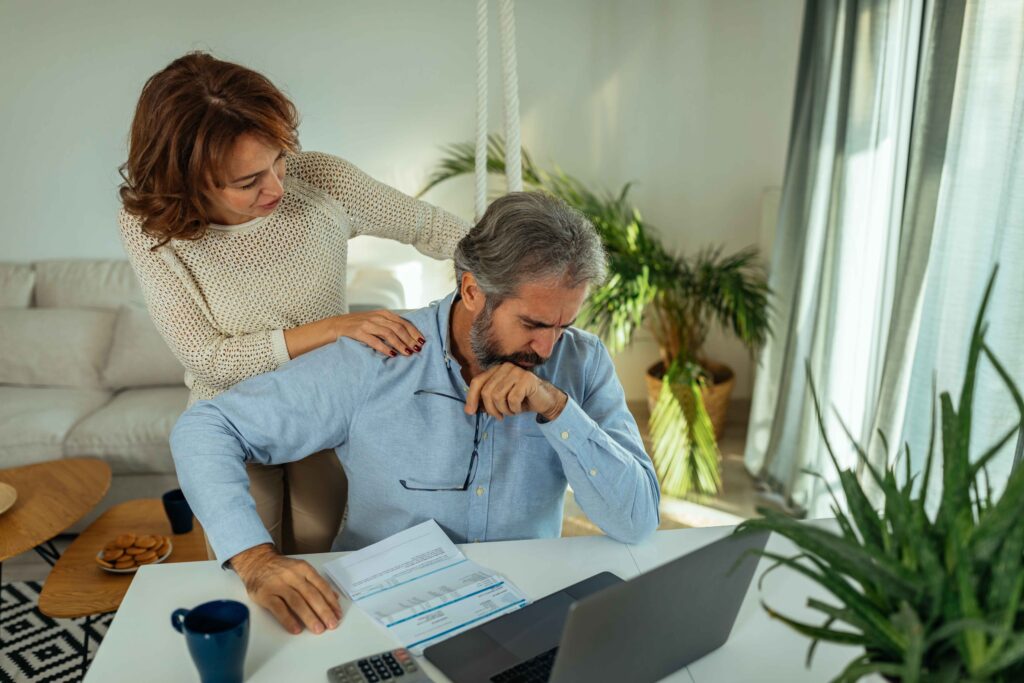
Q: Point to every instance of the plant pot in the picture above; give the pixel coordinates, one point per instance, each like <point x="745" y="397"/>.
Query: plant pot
<point x="716" y="394"/>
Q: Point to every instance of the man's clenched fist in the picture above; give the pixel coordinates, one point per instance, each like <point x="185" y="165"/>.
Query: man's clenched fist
<point x="508" y="389"/>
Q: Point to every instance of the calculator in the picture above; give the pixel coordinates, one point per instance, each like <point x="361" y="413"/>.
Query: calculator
<point x="393" y="665"/>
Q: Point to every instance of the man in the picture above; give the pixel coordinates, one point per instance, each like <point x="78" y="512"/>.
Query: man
<point x="481" y="432"/>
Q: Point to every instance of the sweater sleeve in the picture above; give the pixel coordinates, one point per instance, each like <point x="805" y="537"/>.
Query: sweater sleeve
<point x="217" y="360"/>
<point x="380" y="210"/>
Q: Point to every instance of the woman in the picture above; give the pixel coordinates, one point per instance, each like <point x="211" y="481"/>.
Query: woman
<point x="240" y="241"/>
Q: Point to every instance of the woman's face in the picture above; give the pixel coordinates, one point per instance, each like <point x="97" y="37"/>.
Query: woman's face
<point x="255" y="173"/>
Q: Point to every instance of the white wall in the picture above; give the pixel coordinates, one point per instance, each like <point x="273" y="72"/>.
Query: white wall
<point x="689" y="98"/>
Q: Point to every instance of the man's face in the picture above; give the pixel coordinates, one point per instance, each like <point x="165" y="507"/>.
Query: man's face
<point x="523" y="329"/>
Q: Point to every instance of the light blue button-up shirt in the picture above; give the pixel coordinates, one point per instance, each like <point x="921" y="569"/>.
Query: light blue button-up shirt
<point x="402" y="419"/>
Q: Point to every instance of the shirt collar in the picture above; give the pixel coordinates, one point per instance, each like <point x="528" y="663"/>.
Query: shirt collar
<point x="444" y="328"/>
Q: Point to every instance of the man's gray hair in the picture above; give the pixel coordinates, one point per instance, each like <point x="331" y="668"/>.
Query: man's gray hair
<point x="529" y="237"/>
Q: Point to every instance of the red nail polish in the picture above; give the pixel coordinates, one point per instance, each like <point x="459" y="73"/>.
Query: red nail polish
<point x="393" y="353"/>
<point x="408" y="350"/>
<point x="417" y="347"/>
<point x="421" y="340"/>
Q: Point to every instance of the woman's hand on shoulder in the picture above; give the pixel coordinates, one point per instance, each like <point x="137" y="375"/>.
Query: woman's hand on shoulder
<point x="382" y="330"/>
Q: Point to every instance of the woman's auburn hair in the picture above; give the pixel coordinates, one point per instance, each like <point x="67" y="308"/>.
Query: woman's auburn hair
<point x="187" y="120"/>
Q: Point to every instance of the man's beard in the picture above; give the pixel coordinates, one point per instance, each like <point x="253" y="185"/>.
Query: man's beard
<point x="487" y="348"/>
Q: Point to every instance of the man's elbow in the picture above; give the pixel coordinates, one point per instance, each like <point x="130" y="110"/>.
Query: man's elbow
<point x="641" y="524"/>
<point x="189" y="432"/>
<point x="647" y="526"/>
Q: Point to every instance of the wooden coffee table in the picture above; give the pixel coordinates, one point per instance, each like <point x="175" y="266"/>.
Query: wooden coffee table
<point x="52" y="496"/>
<point x="77" y="587"/>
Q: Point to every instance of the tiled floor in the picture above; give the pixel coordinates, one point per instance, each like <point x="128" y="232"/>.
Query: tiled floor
<point x="736" y="501"/>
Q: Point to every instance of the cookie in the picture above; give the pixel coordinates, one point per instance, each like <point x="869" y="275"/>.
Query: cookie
<point x="146" y="542"/>
<point x="130" y="551"/>
<point x="113" y="554"/>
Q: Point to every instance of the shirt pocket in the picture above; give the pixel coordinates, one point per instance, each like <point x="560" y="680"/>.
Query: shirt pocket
<point x="520" y="428"/>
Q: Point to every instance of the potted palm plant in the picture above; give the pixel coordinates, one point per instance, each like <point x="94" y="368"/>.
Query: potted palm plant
<point x="678" y="298"/>
<point x="931" y="585"/>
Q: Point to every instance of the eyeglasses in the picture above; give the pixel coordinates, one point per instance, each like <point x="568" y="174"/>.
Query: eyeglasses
<point x="471" y="473"/>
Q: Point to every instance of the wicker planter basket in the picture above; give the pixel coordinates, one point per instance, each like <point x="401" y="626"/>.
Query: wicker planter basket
<point x="716" y="394"/>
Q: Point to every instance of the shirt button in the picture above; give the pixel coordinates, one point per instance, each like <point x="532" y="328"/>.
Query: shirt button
<point x="593" y="472"/>
<point x="565" y="435"/>
<point x="479" y="490"/>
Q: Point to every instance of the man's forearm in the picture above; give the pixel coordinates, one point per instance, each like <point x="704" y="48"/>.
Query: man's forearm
<point x="267" y="420"/>
<point x="210" y="462"/>
<point x="611" y="476"/>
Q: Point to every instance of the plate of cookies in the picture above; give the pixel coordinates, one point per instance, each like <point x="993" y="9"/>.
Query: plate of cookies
<point x="128" y="552"/>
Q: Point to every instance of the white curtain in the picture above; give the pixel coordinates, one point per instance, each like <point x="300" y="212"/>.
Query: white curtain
<point x="979" y="223"/>
<point x="903" y="187"/>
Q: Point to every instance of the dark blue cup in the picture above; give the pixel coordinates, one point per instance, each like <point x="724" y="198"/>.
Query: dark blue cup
<point x="217" y="634"/>
<point x="178" y="511"/>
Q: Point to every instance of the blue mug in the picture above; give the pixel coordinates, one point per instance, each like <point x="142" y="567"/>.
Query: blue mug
<point x="217" y="634"/>
<point x="178" y="511"/>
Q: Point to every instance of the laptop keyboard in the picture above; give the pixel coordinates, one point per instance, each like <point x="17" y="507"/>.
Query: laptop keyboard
<point x="537" y="669"/>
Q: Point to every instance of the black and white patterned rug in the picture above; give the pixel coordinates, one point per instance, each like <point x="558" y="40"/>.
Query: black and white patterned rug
<point x="35" y="648"/>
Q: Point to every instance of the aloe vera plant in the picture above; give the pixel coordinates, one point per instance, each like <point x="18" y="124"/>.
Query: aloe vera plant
<point x="930" y="597"/>
<point x="677" y="297"/>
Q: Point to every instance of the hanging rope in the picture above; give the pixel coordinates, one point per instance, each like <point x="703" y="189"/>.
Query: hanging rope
<point x="509" y="78"/>
<point x="481" y="109"/>
<point x="510" y="81"/>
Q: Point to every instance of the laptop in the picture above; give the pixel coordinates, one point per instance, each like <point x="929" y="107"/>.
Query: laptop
<point x="607" y="629"/>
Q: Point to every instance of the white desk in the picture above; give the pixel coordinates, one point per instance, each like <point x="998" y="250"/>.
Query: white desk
<point x="141" y="637"/>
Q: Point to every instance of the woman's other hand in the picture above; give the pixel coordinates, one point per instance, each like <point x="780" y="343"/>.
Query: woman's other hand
<point x="381" y="330"/>
<point x="385" y="332"/>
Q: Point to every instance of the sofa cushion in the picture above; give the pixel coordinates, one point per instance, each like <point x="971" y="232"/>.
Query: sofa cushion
<point x="54" y="347"/>
<point x="35" y="420"/>
<point x="16" y="280"/>
<point x="139" y="357"/>
<point x="131" y="432"/>
<point x="86" y="284"/>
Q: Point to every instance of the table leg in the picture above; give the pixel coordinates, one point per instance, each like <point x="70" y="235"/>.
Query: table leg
<point x="48" y="551"/>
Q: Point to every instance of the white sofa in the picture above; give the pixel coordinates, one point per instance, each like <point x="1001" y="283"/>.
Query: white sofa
<point x="83" y="371"/>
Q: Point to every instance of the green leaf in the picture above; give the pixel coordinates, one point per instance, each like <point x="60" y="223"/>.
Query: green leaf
<point x="1012" y="654"/>
<point x="907" y="621"/>
<point x="817" y="632"/>
<point x="684" y="450"/>
<point x="862" y="666"/>
<point x="878" y="629"/>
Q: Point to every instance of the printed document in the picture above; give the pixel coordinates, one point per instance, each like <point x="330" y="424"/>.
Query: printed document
<point x="421" y="587"/>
